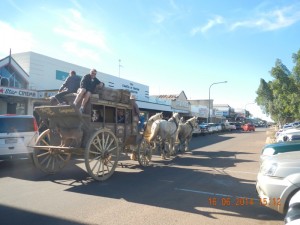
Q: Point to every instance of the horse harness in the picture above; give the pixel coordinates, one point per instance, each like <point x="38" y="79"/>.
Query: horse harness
<point x="189" y="122"/>
<point x="174" y="120"/>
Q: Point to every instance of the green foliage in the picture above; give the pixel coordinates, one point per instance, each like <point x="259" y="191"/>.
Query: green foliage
<point x="280" y="98"/>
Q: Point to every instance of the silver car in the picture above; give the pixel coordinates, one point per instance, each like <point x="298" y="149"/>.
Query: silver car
<point x="17" y="133"/>
<point x="278" y="180"/>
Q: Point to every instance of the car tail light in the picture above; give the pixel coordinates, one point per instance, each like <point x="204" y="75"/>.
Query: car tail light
<point x="35" y="126"/>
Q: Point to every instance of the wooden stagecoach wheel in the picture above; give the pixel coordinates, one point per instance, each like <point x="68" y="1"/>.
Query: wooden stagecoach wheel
<point x="144" y="153"/>
<point x="47" y="157"/>
<point x="102" y="154"/>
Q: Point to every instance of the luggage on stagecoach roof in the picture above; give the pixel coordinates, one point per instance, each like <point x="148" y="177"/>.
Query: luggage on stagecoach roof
<point x="114" y="95"/>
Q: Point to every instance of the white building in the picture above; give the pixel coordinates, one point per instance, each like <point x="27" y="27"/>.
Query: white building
<point x="28" y="77"/>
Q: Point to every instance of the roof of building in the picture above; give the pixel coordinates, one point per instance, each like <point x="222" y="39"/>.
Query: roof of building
<point x="222" y="105"/>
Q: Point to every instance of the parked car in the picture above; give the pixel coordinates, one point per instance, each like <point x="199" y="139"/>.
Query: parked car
<point x="219" y="127"/>
<point x="288" y="137"/>
<point x="292" y="216"/>
<point x="227" y="126"/>
<point x="278" y="148"/>
<point x="238" y="126"/>
<point x="285" y="134"/>
<point x="278" y="180"/>
<point x="205" y="127"/>
<point x="248" y="127"/>
<point x="17" y="133"/>
<point x="290" y="127"/>
<point x="214" y="128"/>
<point x="232" y="126"/>
<point x="197" y="130"/>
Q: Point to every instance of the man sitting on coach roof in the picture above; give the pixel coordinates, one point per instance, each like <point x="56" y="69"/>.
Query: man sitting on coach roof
<point x="70" y="85"/>
<point x="88" y="85"/>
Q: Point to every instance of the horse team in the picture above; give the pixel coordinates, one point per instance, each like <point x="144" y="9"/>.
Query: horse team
<point x="170" y="136"/>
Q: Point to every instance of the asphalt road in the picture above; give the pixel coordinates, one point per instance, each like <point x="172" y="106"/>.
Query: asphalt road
<point x="214" y="183"/>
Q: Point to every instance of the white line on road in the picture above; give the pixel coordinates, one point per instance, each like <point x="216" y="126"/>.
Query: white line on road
<point x="211" y="193"/>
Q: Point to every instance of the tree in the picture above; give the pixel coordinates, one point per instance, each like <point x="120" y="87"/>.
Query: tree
<point x="280" y="98"/>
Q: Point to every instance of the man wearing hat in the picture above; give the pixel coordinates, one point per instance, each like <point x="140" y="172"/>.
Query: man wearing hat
<point x="136" y="115"/>
<point x="135" y="107"/>
<point x="70" y="85"/>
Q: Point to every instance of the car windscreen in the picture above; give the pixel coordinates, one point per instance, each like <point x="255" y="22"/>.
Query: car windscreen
<point x="14" y="125"/>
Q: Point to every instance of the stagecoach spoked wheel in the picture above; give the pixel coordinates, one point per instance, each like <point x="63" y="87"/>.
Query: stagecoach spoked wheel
<point x="102" y="154"/>
<point x="47" y="156"/>
<point x="144" y="153"/>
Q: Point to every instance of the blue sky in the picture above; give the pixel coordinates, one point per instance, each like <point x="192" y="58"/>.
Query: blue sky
<point x="169" y="45"/>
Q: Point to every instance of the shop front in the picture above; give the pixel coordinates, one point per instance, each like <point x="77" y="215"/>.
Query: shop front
<point x="16" y="101"/>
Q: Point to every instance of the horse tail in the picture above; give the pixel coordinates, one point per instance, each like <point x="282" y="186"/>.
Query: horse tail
<point x="154" y="131"/>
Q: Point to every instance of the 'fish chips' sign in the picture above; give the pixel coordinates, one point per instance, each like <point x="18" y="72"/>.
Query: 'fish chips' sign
<point x="18" y="92"/>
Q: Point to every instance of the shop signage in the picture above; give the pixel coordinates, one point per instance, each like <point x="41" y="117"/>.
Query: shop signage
<point x="18" y="92"/>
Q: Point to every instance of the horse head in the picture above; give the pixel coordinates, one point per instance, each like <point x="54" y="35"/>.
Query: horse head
<point x="192" y="121"/>
<point x="157" y="116"/>
<point x="176" y="117"/>
<point x="181" y="120"/>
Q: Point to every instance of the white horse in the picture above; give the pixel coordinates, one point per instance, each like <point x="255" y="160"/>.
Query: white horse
<point x="185" y="133"/>
<point x="166" y="131"/>
<point x="147" y="131"/>
<point x="151" y="120"/>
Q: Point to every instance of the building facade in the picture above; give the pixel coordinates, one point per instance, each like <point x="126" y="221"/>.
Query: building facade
<point x="29" y="78"/>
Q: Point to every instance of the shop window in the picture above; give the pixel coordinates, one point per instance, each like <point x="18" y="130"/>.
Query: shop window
<point x="20" y="108"/>
<point x="4" y="82"/>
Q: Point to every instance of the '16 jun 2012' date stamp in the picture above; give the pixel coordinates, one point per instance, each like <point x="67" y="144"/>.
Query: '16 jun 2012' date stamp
<point x="242" y="201"/>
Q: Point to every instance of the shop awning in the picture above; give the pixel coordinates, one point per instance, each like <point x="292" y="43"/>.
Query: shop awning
<point x="154" y="106"/>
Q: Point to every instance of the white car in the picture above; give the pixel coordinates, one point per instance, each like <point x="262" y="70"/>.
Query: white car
<point x="286" y="134"/>
<point x="197" y="130"/>
<point x="287" y="129"/>
<point x="293" y="214"/>
<point x="17" y="134"/>
<point x="232" y="126"/>
<point x="278" y="180"/>
<point x="214" y="128"/>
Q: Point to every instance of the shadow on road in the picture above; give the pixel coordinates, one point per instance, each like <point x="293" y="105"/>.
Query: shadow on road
<point x="10" y="216"/>
<point x="186" y="184"/>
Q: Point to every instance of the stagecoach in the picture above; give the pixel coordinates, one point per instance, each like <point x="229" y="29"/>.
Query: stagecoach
<point x="97" y="135"/>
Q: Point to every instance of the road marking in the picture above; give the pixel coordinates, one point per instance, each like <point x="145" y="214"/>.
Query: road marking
<point x="211" y="193"/>
<point x="232" y="171"/>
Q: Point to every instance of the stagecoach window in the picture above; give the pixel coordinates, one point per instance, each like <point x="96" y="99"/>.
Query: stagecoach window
<point x="120" y="116"/>
<point x="110" y="114"/>
<point x="97" y="113"/>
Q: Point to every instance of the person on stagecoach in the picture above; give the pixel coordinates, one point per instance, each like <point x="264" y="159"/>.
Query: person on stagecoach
<point x="70" y="85"/>
<point x="88" y="85"/>
<point x="120" y="116"/>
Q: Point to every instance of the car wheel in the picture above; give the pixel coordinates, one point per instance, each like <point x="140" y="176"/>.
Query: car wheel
<point x="293" y="209"/>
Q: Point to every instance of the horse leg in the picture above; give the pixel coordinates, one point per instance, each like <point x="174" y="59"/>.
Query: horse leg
<point x="167" y="149"/>
<point x="172" y="147"/>
<point x="186" y="145"/>
<point x="162" y="149"/>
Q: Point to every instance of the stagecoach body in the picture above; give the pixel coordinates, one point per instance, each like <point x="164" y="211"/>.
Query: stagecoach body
<point x="96" y="134"/>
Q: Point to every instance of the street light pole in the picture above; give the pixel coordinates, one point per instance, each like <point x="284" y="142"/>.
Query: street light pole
<point x="208" y="118"/>
<point x="120" y="67"/>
